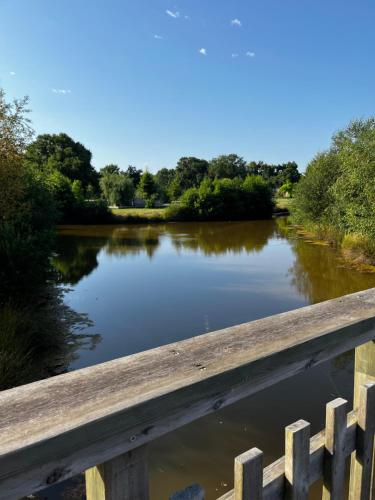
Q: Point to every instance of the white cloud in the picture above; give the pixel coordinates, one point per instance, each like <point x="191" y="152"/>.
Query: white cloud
<point x="203" y="51"/>
<point x="158" y="37"/>
<point x="250" y="54"/>
<point x="236" y="22"/>
<point x="234" y="56"/>
<point x="12" y="73"/>
<point x="61" y="91"/>
<point x="174" y="14"/>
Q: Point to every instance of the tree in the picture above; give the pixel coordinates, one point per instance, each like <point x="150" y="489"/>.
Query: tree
<point x="312" y="195"/>
<point x="134" y="174"/>
<point x="276" y="175"/>
<point x="286" y="190"/>
<point x="288" y="172"/>
<point x="27" y="211"/>
<point x="117" y="188"/>
<point x="227" y="167"/>
<point x="109" y="169"/>
<point x="164" y="178"/>
<point x="189" y="172"/>
<point x="147" y="188"/>
<point x="59" y="152"/>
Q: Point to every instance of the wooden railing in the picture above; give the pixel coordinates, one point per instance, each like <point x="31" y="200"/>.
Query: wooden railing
<point x="100" y="419"/>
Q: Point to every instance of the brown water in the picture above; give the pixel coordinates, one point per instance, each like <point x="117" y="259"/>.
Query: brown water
<point x="144" y="286"/>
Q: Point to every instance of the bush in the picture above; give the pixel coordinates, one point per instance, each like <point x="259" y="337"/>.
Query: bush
<point x="338" y="191"/>
<point x="225" y="199"/>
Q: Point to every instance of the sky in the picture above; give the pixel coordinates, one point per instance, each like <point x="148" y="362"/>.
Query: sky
<point x="146" y="82"/>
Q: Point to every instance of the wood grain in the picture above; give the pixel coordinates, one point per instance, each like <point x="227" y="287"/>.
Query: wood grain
<point x="297" y="460"/>
<point x="248" y="475"/>
<point x="125" y="477"/>
<point x="360" y="481"/>
<point x="334" y="457"/>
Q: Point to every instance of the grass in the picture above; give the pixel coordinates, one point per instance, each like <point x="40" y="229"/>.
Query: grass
<point x="283" y="203"/>
<point x="139" y="214"/>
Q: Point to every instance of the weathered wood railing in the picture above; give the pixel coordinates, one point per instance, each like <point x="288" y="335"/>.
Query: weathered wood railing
<point x="99" y="419"/>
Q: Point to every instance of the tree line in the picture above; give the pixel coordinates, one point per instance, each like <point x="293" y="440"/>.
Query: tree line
<point x="80" y="192"/>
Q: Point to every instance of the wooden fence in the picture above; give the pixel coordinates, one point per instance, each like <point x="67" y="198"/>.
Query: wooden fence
<point x="306" y="460"/>
<point x="100" y="419"/>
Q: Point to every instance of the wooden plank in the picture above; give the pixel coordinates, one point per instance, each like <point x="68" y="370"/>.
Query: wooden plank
<point x="274" y="474"/>
<point x="123" y="478"/>
<point x="360" y="481"/>
<point x="334" y="457"/>
<point x="248" y="475"/>
<point x="53" y="429"/>
<point x="364" y="371"/>
<point x="297" y="460"/>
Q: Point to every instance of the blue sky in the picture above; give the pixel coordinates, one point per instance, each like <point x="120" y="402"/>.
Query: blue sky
<point x="129" y="80"/>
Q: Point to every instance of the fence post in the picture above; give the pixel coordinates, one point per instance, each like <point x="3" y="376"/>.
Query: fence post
<point x="364" y="371"/>
<point x="123" y="478"/>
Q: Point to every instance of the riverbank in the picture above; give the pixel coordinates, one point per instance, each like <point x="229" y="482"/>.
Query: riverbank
<point x="157" y="215"/>
<point x="356" y="251"/>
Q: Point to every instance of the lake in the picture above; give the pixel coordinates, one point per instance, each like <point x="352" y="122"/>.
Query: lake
<point x="147" y="285"/>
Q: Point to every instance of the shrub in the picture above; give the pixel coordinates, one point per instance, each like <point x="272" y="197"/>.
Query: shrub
<point x="224" y="199"/>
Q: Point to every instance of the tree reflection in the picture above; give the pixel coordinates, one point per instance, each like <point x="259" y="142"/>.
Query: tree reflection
<point x="319" y="274"/>
<point x="216" y="238"/>
<point x="42" y="339"/>
<point x="78" y="247"/>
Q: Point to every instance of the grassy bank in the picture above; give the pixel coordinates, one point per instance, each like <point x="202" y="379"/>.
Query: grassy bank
<point x="155" y="215"/>
<point x="138" y="215"/>
<point x="283" y="205"/>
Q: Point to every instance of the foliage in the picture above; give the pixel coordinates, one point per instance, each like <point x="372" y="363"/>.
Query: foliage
<point x="225" y="199"/>
<point x="111" y="168"/>
<point x="26" y="208"/>
<point x="147" y="189"/>
<point x="59" y="152"/>
<point x="338" y="189"/>
<point x="36" y="328"/>
<point x="313" y="196"/>
<point x="117" y="188"/>
<point x="227" y="167"/>
<point x="189" y="172"/>
<point x="276" y="175"/>
<point x="163" y="179"/>
<point x="134" y="174"/>
<point x="286" y="190"/>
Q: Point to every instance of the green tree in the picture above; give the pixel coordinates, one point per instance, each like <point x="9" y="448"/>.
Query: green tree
<point x="117" y="188"/>
<point x="59" y="152"/>
<point x="189" y="172"/>
<point x="134" y="174"/>
<point x="276" y="175"/>
<point x="109" y="169"/>
<point x="27" y="211"/>
<point x="148" y="189"/>
<point x="227" y="167"/>
<point x="164" y="178"/>
<point x="313" y="197"/>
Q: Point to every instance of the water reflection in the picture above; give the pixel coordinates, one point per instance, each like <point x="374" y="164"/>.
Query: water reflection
<point x="79" y="246"/>
<point x="317" y="272"/>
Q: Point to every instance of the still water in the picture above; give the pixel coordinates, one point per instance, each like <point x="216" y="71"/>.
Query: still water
<point x="144" y="286"/>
